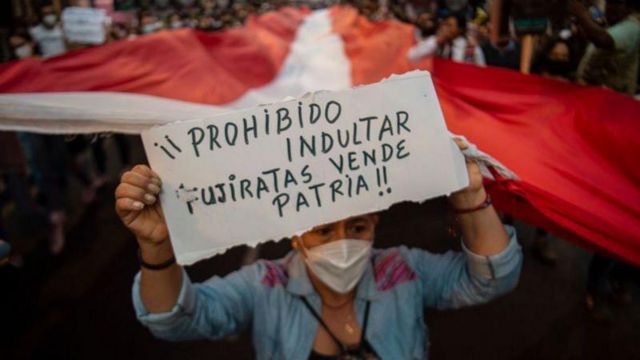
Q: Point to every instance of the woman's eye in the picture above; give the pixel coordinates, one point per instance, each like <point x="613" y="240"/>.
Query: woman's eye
<point x="323" y="232"/>
<point x="359" y="228"/>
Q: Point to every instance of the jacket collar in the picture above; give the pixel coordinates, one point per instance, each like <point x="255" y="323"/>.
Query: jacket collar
<point x="300" y="285"/>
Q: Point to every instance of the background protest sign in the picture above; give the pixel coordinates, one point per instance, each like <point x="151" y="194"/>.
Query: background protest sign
<point x="274" y="170"/>
<point x="84" y="25"/>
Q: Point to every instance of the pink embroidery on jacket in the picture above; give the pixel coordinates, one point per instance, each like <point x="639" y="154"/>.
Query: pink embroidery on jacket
<point x="392" y="270"/>
<point x="275" y="274"/>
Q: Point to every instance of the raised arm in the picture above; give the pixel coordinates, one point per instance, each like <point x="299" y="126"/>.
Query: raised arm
<point x="424" y="48"/>
<point x="490" y="263"/>
<point x="139" y="209"/>
<point x="482" y="230"/>
<point x="594" y="32"/>
<point x="165" y="300"/>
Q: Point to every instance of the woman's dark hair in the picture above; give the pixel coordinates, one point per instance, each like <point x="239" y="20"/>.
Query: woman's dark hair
<point x="548" y="46"/>
<point x="461" y="19"/>
<point x="542" y="55"/>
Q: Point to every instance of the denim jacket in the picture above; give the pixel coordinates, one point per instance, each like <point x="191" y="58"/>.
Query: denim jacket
<point x="399" y="283"/>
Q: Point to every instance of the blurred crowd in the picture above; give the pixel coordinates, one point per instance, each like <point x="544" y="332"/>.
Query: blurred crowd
<point x="569" y="45"/>
<point x="591" y="42"/>
<point x="44" y="35"/>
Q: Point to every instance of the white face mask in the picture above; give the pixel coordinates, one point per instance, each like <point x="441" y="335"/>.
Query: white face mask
<point x="339" y="264"/>
<point x="24" y="51"/>
<point x="50" y="19"/>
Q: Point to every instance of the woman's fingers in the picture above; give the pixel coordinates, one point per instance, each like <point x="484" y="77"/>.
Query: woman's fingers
<point x="138" y="188"/>
<point x="128" y="204"/>
<point x="126" y="190"/>
<point x="137" y="179"/>
<point x="146" y="171"/>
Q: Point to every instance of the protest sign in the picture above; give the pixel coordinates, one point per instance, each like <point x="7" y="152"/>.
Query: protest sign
<point x="84" y="25"/>
<point x="275" y="170"/>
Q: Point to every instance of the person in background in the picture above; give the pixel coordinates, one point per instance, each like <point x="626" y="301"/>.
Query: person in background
<point x="450" y="42"/>
<point x="425" y="26"/>
<point x="22" y="46"/>
<point x="205" y="22"/>
<point x="382" y="12"/>
<point x="149" y="23"/>
<point x="369" y="9"/>
<point x="611" y="59"/>
<point x="555" y="60"/>
<point x="505" y="52"/>
<point x="119" y="31"/>
<point x="190" y="21"/>
<point x="208" y="23"/>
<point x="16" y="204"/>
<point x="74" y="44"/>
<point x="48" y="34"/>
<point x="47" y="159"/>
<point x="209" y="6"/>
<point x="175" y="21"/>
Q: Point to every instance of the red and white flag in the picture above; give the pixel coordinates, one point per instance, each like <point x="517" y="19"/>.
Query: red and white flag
<point x="574" y="148"/>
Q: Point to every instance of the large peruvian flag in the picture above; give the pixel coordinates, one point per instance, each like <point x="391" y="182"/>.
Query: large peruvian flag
<point x="575" y="149"/>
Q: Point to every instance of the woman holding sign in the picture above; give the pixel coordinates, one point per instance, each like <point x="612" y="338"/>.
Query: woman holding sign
<point x="333" y="296"/>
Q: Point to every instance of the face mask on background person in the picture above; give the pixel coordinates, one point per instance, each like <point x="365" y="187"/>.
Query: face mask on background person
<point x="23" y="51"/>
<point x="557" y="67"/>
<point x="149" y="28"/>
<point x="339" y="264"/>
<point x="50" y="19"/>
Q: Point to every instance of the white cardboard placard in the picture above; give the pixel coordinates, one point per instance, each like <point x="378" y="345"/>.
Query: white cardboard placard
<point x="275" y="170"/>
<point x="84" y="25"/>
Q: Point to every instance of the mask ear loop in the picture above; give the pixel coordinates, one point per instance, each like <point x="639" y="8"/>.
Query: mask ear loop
<point x="303" y="250"/>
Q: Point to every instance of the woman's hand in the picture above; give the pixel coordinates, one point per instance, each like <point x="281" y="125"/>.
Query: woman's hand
<point x="474" y="194"/>
<point x="138" y="206"/>
<point x="482" y="230"/>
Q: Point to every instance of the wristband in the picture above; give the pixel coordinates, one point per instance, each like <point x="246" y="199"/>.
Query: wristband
<point x="485" y="204"/>
<point x="161" y="266"/>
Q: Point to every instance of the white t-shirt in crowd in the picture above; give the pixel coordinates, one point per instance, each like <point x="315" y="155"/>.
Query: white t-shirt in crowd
<point x="50" y="40"/>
